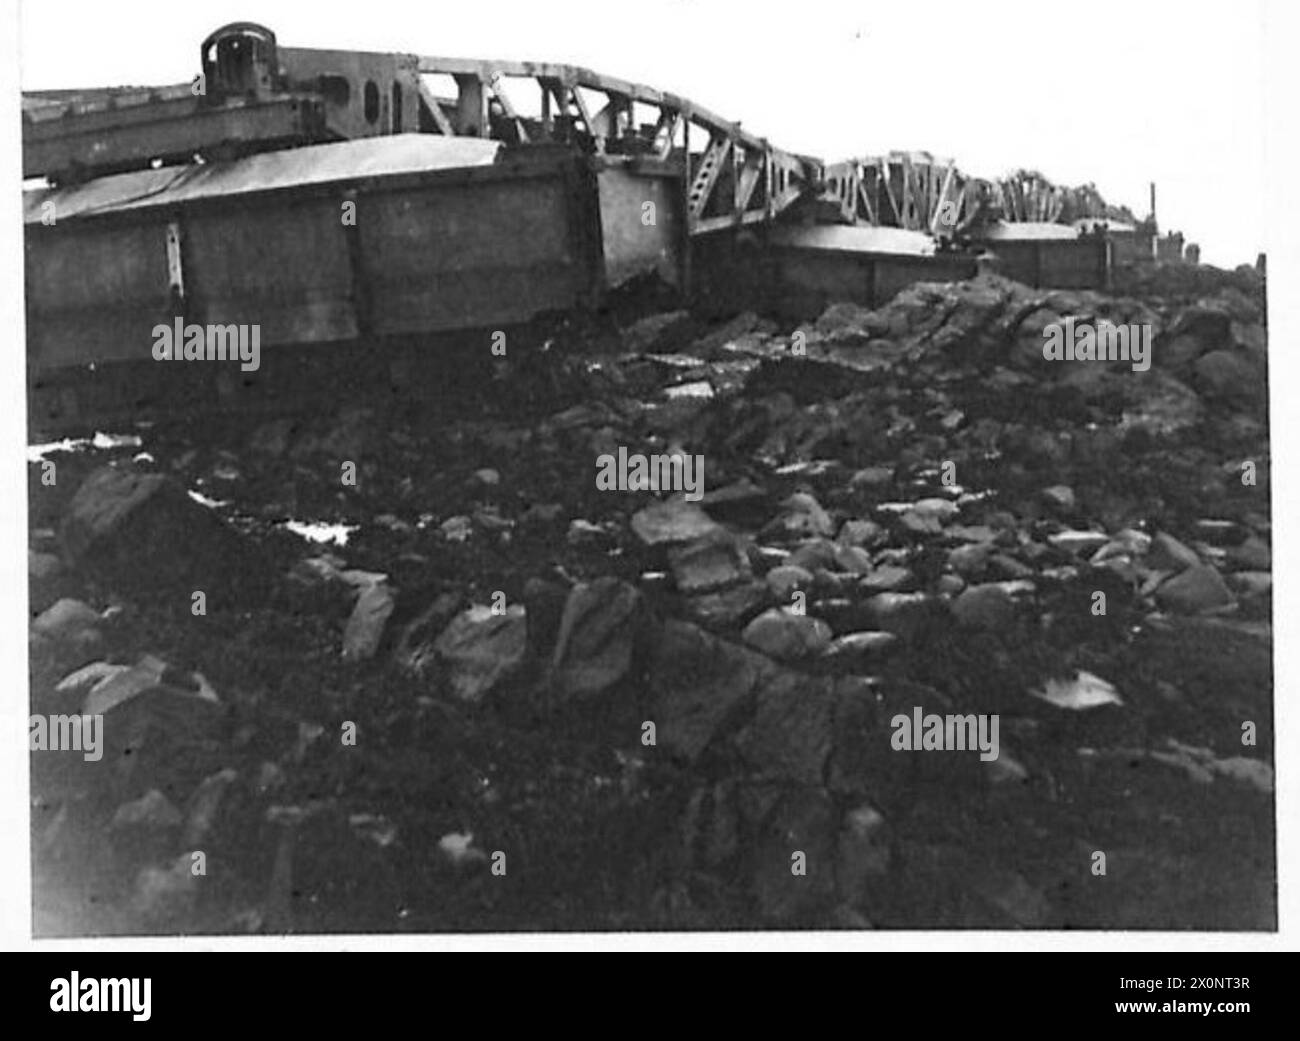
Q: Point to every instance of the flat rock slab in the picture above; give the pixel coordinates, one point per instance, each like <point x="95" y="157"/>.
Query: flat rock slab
<point x="482" y="648"/>
<point x="596" y="639"/>
<point x="699" y="684"/>
<point x="673" y="521"/>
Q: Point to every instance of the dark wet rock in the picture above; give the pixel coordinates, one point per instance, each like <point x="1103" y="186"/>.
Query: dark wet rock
<point x="1229" y="375"/>
<point x="699" y="684"/>
<point x="710" y="825"/>
<point x="709" y="563"/>
<point x="854" y="559"/>
<point x="802" y="514"/>
<point x="799" y="832"/>
<point x="848" y="322"/>
<point x="784" y="580"/>
<point x="596" y="638"/>
<point x="872" y="477"/>
<point x="1180" y="351"/>
<point x="939" y="510"/>
<point x="42" y="566"/>
<point x="1168" y="554"/>
<point x="1251" y="337"/>
<point x="949" y="585"/>
<point x="790" y="736"/>
<point x="1194" y="590"/>
<point x="205" y="805"/>
<point x="482" y="648"/>
<point x="783" y="634"/>
<point x="544" y="599"/>
<point x="121" y="684"/>
<point x="1251" y="583"/>
<point x="1165" y="406"/>
<point x="740" y="494"/>
<point x="730" y="607"/>
<point x="1060" y="497"/>
<point x="70" y="623"/>
<point x="984" y="607"/>
<point x="813" y="555"/>
<point x="117" y="511"/>
<point x="1005" y="771"/>
<point x="1253" y="554"/>
<point x="1005" y="566"/>
<point x="860" y="533"/>
<point x="415" y="645"/>
<point x="971" y="559"/>
<point x="887" y="578"/>
<point x="919" y="523"/>
<point x="866" y="646"/>
<point x="658" y="332"/>
<point x="311" y="573"/>
<point x="710" y="344"/>
<point x="863" y="855"/>
<point x="1079" y="542"/>
<point x="672" y="521"/>
<point x="901" y="613"/>
<point x="365" y="627"/>
<point x="1208" y="320"/>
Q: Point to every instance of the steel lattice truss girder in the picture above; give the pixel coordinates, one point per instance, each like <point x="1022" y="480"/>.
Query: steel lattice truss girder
<point x="737" y="178"/>
<point x="911" y="190"/>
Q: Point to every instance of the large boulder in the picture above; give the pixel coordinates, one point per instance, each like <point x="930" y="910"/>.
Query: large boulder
<point x="787" y="635"/>
<point x="139" y="530"/>
<point x="789" y="738"/>
<point x="699" y="685"/>
<point x="483" y="647"/>
<point x="596" y="639"/>
<point x="1230" y="376"/>
<point x="1196" y="589"/>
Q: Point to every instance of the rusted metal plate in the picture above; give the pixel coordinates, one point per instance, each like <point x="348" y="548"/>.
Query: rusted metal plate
<point x="283" y="267"/>
<point x="641" y="225"/>
<point x="807" y="281"/>
<point x="93" y="294"/>
<point x="471" y="254"/>
<point x="843" y="238"/>
<point x="342" y="161"/>
<point x="440" y="236"/>
<point x="171" y="130"/>
<point x="1028" y="231"/>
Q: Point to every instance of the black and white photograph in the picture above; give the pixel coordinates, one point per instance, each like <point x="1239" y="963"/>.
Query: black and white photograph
<point x="680" y="468"/>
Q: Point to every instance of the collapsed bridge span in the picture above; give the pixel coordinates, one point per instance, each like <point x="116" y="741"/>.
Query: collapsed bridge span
<point x="330" y="197"/>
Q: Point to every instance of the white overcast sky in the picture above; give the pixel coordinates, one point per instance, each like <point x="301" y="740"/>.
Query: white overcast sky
<point x="1117" y="93"/>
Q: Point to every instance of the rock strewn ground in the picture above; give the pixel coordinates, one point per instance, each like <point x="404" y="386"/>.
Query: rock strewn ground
<point x="910" y="508"/>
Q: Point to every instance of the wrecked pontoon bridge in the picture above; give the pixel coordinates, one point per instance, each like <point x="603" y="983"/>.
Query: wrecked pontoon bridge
<point x="333" y="197"/>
